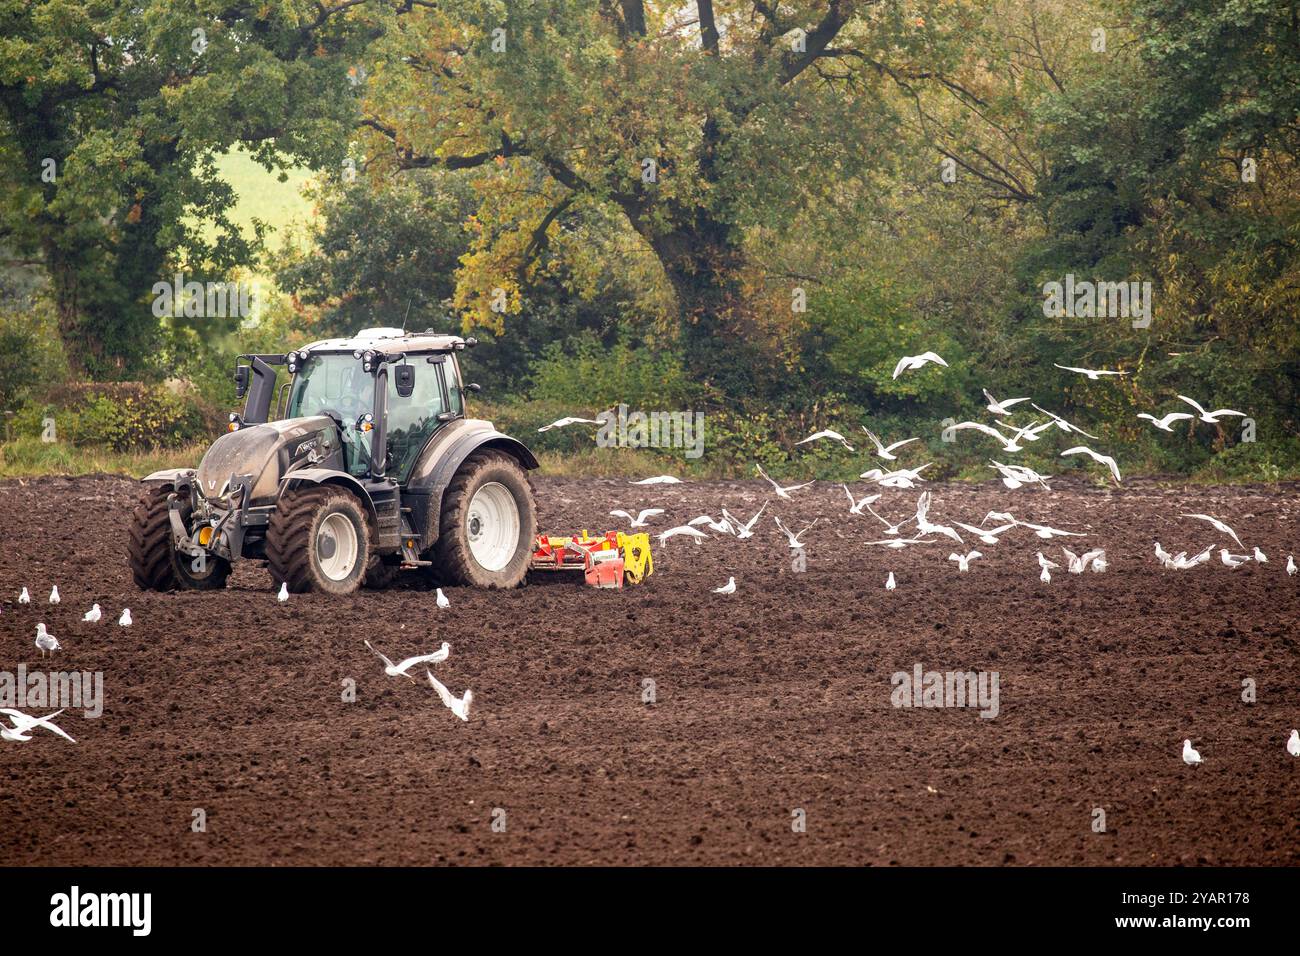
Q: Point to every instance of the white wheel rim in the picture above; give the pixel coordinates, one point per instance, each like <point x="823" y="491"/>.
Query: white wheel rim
<point x="336" y="546"/>
<point x="492" y="526"/>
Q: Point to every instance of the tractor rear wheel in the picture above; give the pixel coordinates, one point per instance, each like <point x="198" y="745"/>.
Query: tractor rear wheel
<point x="488" y="525"/>
<point x="318" y="539"/>
<point x="156" y="565"/>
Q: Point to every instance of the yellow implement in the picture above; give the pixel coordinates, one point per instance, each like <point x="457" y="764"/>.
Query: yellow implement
<point x="638" y="563"/>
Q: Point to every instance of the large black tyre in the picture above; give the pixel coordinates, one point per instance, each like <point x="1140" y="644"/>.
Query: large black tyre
<point x="490" y="486"/>
<point x="318" y="539"/>
<point x="155" y="563"/>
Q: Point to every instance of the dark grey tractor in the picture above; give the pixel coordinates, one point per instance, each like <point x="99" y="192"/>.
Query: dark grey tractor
<point x="373" y="468"/>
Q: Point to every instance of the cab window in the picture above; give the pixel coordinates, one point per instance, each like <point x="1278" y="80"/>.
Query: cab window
<point x="412" y="420"/>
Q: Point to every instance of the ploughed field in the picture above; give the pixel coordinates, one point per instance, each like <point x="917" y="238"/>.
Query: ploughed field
<point x="773" y="700"/>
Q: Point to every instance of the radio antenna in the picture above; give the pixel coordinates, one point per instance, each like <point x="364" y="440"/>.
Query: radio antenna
<point x="406" y="316"/>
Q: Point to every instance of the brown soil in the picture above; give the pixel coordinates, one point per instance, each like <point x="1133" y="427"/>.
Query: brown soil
<point x="772" y="699"/>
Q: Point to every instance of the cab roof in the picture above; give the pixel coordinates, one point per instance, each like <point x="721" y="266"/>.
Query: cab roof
<point x="390" y="340"/>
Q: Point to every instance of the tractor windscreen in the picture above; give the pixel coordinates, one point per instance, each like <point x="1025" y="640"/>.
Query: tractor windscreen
<point x="336" y="383"/>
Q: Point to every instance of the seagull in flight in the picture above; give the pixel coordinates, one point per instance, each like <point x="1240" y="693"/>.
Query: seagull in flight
<point x="781" y="492"/>
<point x="882" y="450"/>
<point x="856" y="505"/>
<point x="1106" y="460"/>
<point x="563" y="422"/>
<point x="1063" y="425"/>
<point x="1191" y="756"/>
<point x="795" y="543"/>
<point x="1093" y="374"/>
<point x="658" y="480"/>
<point x="403" y="669"/>
<point x="890" y="529"/>
<point x="1011" y="444"/>
<point x="1046" y="533"/>
<point x="1210" y="417"/>
<point x="1079" y="563"/>
<point x="986" y="535"/>
<point x="685" y="529"/>
<point x="728" y="588"/>
<point x="1017" y="476"/>
<point x="925" y="526"/>
<point x="910" y="362"/>
<point x="1164" y="423"/>
<point x="640" y="520"/>
<point x="457" y="705"/>
<point x="745" y="530"/>
<point x="1003" y="407"/>
<point x="964" y="560"/>
<point x="900" y="478"/>
<point x="25" y="723"/>
<point x="826" y="433"/>
<point x="1218" y="525"/>
<point x="46" y="641"/>
<point x="93" y="615"/>
<point x="899" y="543"/>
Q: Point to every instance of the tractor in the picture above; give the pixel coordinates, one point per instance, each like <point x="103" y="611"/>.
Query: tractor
<point x="373" y="468"/>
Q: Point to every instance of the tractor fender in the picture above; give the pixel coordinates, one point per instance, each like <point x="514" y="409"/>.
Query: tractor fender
<point x="328" y="476"/>
<point x="440" y="461"/>
<point x="174" y="477"/>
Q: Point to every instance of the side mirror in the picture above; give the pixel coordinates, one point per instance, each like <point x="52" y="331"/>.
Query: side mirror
<point x="404" y="379"/>
<point x="472" y="387"/>
<point x="241" y="381"/>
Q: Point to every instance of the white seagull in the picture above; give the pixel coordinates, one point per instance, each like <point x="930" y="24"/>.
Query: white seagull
<point x="1210" y="417"/>
<point x="1218" y="525"/>
<point x="93" y="615"/>
<point x="125" y="619"/>
<point x="1106" y="460"/>
<point x="1079" y="563"/>
<point x="781" y="492"/>
<point x="685" y="529"/>
<point x="1290" y="565"/>
<point x="442" y="600"/>
<point x="728" y="588"/>
<point x="457" y="705"/>
<point x="925" y="526"/>
<point x="1191" y="756"/>
<point x="1063" y="425"/>
<point x="745" y="530"/>
<point x="826" y="433"/>
<point x="46" y="641"/>
<point x="1047" y="533"/>
<point x="964" y="560"/>
<point x="1003" y="407"/>
<point x="284" y="592"/>
<point x="562" y="422"/>
<point x="1164" y="423"/>
<point x="899" y="543"/>
<point x="640" y="520"/>
<point x="26" y="723"/>
<point x="1094" y="374"/>
<point x="1261" y="557"/>
<point x="1232" y="560"/>
<point x="910" y="362"/>
<point x="659" y="480"/>
<point x="890" y="529"/>
<point x="882" y="450"/>
<point x="856" y="505"/>
<point x="1017" y="476"/>
<point x="795" y="543"/>
<point x="1046" y="565"/>
<point x="402" y="669"/>
<point x="890" y="583"/>
<point x="986" y="535"/>
<point x="1293" y="744"/>
<point x="24" y="598"/>
<point x="54" y="595"/>
<point x="1011" y="444"/>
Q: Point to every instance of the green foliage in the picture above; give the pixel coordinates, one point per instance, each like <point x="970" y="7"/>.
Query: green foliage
<point x="124" y="416"/>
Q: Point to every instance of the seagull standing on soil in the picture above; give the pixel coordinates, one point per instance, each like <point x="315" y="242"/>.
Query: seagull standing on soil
<point x="1191" y="756"/>
<point x="659" y="480"/>
<point x="442" y="600"/>
<point x="25" y="723"/>
<point x="882" y="450"/>
<point x="964" y="560"/>
<point x="1211" y="418"/>
<point x="640" y="520"/>
<point x="24" y="598"/>
<point x="728" y="588"/>
<point x="1233" y="560"/>
<point x="125" y="619"/>
<point x="1003" y="407"/>
<point x="826" y="433"/>
<point x="284" y="592"/>
<point x="1046" y="565"/>
<point x="1293" y="744"/>
<point x="93" y="615"/>
<point x="1164" y="423"/>
<point x="1078" y="564"/>
<point x="910" y="362"/>
<point x="890" y="583"/>
<point x="1106" y="460"/>
<point x="1290" y="565"/>
<point x="54" y="595"/>
<point x="457" y="705"/>
<point x="402" y="669"/>
<point x="1093" y="374"/>
<point x="46" y="641"/>
<point x="1261" y="557"/>
<point x="781" y="492"/>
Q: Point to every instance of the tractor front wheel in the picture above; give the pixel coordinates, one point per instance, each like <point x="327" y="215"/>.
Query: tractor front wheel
<point x="318" y="539"/>
<point x="156" y="565"/>
<point x="489" y="522"/>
